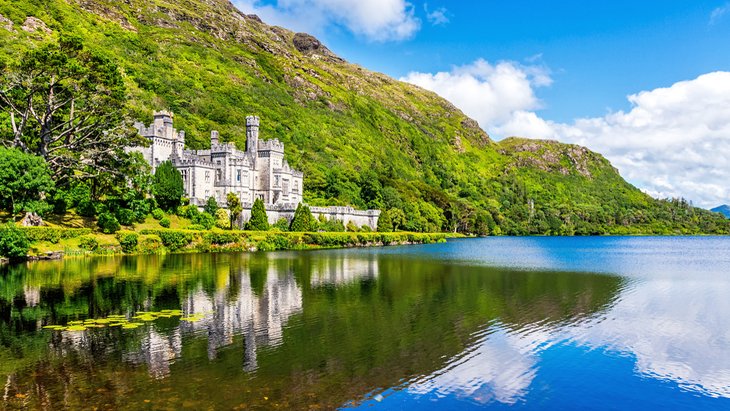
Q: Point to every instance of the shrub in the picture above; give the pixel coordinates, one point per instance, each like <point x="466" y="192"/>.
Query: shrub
<point x="279" y="241"/>
<point x="14" y="243"/>
<point x="108" y="223"/>
<point x="125" y="216"/>
<point x="282" y="224"/>
<point x="221" y="219"/>
<point x="158" y="214"/>
<point x="303" y="220"/>
<point x="174" y="239"/>
<point x="190" y="212"/>
<point x="204" y="219"/>
<point x="259" y="221"/>
<point x="211" y="206"/>
<point x="89" y="243"/>
<point x="53" y="234"/>
<point x="196" y="227"/>
<point x="366" y="229"/>
<point x="165" y="222"/>
<point x="128" y="240"/>
<point x="150" y="244"/>
<point x="224" y="238"/>
<point x="86" y="208"/>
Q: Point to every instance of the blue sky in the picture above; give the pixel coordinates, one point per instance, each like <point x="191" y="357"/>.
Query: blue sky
<point x="614" y="76"/>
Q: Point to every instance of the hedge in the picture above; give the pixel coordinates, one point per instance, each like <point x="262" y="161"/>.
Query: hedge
<point x="53" y="234"/>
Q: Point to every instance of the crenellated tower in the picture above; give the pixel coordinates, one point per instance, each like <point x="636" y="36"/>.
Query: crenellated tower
<point x="252" y="135"/>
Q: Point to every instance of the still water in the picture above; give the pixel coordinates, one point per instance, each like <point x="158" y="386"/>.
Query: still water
<point x="495" y="323"/>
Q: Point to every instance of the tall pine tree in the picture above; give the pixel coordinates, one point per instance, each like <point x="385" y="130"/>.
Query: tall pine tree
<point x="303" y="220"/>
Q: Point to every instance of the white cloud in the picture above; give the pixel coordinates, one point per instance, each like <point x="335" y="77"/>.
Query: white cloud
<point x="437" y="17"/>
<point x="376" y="20"/>
<point x="718" y="13"/>
<point x="489" y="93"/>
<point x="674" y="142"/>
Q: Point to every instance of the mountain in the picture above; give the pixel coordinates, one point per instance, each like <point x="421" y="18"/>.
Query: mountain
<point x="723" y="209"/>
<point x="361" y="138"/>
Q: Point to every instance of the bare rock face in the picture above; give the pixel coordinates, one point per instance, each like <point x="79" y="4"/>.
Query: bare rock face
<point x="34" y="25"/>
<point x="32" y="220"/>
<point x="306" y="43"/>
<point x="6" y="23"/>
<point x="254" y="17"/>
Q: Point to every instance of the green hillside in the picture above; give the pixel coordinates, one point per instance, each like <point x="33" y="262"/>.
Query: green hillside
<point x="360" y="137"/>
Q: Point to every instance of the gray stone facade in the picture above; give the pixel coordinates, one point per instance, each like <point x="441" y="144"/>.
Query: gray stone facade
<point x="260" y="171"/>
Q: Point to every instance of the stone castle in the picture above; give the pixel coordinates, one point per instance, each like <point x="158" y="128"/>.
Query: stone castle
<point x="260" y="171"/>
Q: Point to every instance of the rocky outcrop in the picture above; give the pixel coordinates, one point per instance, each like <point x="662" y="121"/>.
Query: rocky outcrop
<point x="6" y="23"/>
<point x="35" y="25"/>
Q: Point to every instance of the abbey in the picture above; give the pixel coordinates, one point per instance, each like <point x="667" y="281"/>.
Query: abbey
<point x="258" y="172"/>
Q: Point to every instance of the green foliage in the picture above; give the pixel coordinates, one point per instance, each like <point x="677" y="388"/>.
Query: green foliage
<point x="281" y="224"/>
<point x="259" y="221"/>
<point x="211" y="206"/>
<point x="158" y="214"/>
<point x="332" y="225"/>
<point x="108" y="223"/>
<point x="168" y="186"/>
<point x="165" y="222"/>
<point x="53" y="234"/>
<point x="78" y="100"/>
<point x="89" y="243"/>
<point x="174" y="240"/>
<point x="205" y="220"/>
<point x="303" y="220"/>
<point x="221" y="219"/>
<point x="128" y="240"/>
<point x="24" y="181"/>
<point x="14" y="243"/>
<point x="385" y="224"/>
<point x="125" y="216"/>
<point x="150" y="244"/>
<point x="235" y="208"/>
<point x="352" y="227"/>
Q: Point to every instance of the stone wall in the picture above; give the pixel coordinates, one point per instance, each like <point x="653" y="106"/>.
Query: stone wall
<point x="345" y="214"/>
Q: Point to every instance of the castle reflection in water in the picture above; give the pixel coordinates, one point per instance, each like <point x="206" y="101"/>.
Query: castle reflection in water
<point x="235" y="308"/>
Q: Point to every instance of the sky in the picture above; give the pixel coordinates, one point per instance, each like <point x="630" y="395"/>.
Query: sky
<point x="645" y="83"/>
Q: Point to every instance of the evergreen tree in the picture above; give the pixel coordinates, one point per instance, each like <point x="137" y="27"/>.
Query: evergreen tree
<point x="259" y="221"/>
<point x="211" y="206"/>
<point x="385" y="225"/>
<point x="168" y="186"/>
<point x="234" y="207"/>
<point x="14" y="243"/>
<point x="303" y="220"/>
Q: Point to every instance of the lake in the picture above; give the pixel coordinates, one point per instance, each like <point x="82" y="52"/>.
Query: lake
<point x="605" y="323"/>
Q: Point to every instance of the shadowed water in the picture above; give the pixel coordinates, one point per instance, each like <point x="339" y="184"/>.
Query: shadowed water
<point x="536" y="323"/>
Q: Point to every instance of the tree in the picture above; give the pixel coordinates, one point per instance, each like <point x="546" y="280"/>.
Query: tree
<point x="385" y="225"/>
<point x="24" y="181"/>
<point x="397" y="218"/>
<point x="259" y="220"/>
<point x="303" y="220"/>
<point x="234" y="207"/>
<point x="14" y="243"/>
<point x="211" y="206"/>
<point x="67" y="105"/>
<point x="168" y="186"/>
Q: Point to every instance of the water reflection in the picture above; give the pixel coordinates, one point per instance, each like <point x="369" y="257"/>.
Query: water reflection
<point x="333" y="328"/>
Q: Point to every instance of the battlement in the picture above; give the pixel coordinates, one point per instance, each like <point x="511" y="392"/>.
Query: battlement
<point x="271" y="145"/>
<point x="252" y="121"/>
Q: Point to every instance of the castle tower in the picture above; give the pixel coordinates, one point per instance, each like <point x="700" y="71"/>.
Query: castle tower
<point x="162" y="124"/>
<point x="213" y="138"/>
<point x="252" y="134"/>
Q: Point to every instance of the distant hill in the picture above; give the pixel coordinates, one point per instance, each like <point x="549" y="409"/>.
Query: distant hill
<point x="723" y="209"/>
<point x="360" y="137"/>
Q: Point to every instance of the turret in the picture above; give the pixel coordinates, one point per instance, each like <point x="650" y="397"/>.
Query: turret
<point x="213" y="138"/>
<point x="163" y="124"/>
<point x="252" y="134"/>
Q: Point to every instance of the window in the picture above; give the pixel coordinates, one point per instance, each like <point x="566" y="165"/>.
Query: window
<point x="238" y="175"/>
<point x="207" y="179"/>
<point x="218" y="175"/>
<point x="276" y="181"/>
